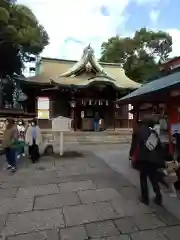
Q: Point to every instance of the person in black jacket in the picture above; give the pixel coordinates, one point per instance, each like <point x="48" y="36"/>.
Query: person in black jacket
<point x="149" y="159"/>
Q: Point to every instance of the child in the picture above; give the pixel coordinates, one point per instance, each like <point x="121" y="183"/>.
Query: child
<point x="171" y="176"/>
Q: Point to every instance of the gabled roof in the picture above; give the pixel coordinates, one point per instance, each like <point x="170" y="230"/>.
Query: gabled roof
<point x="153" y="87"/>
<point x="89" y="61"/>
<point x="95" y="72"/>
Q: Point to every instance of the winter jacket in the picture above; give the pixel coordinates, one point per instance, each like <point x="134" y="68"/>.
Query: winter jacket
<point x="9" y="136"/>
<point x="29" y="137"/>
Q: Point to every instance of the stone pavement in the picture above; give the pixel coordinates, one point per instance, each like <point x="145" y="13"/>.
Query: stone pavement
<point x="116" y="156"/>
<point x="76" y="199"/>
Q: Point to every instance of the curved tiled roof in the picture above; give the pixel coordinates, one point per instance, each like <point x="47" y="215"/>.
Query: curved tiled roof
<point x="107" y="74"/>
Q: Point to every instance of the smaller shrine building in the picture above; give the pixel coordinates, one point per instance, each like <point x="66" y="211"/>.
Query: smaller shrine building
<point x="160" y="98"/>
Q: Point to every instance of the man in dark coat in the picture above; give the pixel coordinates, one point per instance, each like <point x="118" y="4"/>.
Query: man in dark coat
<point x="149" y="160"/>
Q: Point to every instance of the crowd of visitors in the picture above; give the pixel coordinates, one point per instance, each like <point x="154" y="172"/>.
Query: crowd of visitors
<point x="148" y="156"/>
<point x="18" y="136"/>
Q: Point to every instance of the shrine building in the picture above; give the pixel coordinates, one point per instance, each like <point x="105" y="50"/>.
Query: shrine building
<point x="79" y="90"/>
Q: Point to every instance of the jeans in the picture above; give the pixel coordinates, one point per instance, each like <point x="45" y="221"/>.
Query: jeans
<point x="96" y="126"/>
<point x="11" y="156"/>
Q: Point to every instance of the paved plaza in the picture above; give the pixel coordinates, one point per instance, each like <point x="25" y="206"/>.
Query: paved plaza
<point x="91" y="196"/>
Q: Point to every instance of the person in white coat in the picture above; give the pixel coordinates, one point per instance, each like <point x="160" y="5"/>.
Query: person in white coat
<point x="21" y="137"/>
<point x="33" y="139"/>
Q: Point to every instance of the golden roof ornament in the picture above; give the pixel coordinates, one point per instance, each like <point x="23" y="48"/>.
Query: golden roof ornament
<point x="88" y="67"/>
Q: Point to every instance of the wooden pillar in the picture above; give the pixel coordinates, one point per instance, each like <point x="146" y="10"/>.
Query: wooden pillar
<point x="135" y="117"/>
<point x="170" y="113"/>
<point x="114" y="115"/>
<point x="1" y="94"/>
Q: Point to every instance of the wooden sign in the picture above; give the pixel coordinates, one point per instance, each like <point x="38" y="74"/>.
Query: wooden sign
<point x="61" y="124"/>
<point x="43" y="107"/>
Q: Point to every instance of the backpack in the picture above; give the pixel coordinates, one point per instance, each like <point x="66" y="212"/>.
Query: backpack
<point x="152" y="142"/>
<point x="150" y="147"/>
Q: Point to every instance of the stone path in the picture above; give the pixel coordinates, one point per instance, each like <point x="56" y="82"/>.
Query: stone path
<point x="77" y="199"/>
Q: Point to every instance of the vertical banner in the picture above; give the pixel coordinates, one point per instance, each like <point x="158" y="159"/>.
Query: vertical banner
<point x="43" y="107"/>
<point x="130" y="115"/>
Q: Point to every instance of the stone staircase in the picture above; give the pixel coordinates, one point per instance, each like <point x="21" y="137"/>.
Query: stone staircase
<point x="105" y="137"/>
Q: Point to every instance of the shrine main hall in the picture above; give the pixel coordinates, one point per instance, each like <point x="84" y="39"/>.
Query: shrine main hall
<point x="80" y="89"/>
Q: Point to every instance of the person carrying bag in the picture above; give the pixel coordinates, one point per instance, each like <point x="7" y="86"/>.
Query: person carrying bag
<point x="33" y="138"/>
<point x="9" y="144"/>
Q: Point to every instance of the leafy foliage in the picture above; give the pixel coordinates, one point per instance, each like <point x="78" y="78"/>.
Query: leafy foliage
<point x="21" y="36"/>
<point x="140" y="54"/>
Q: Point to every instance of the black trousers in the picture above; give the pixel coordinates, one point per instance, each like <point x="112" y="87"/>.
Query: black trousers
<point x="148" y="171"/>
<point x="34" y="152"/>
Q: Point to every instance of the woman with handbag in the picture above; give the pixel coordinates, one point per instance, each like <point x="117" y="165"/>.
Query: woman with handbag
<point x="33" y="139"/>
<point x="9" y="140"/>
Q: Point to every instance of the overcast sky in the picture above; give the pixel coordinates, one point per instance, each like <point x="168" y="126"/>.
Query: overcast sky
<point x="72" y="24"/>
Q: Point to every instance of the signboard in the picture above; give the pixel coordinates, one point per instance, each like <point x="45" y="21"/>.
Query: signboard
<point x="43" y="114"/>
<point x="61" y="124"/>
<point x="43" y="107"/>
<point x="130" y="115"/>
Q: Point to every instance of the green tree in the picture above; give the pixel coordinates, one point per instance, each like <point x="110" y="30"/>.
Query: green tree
<point x="138" y="55"/>
<point x="21" y="37"/>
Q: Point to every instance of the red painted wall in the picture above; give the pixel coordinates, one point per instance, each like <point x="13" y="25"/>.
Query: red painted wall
<point x="173" y="115"/>
<point x="173" y="63"/>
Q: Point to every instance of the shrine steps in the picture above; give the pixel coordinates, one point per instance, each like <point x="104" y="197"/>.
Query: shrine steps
<point x="104" y="137"/>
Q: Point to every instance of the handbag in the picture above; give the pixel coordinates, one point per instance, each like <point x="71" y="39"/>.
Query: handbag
<point x="15" y="144"/>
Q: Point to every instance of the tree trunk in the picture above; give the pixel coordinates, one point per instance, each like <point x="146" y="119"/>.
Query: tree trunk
<point x="1" y="94"/>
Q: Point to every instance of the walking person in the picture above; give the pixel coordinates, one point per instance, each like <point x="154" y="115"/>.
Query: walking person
<point x="9" y="140"/>
<point x="21" y="138"/>
<point x="33" y="139"/>
<point x="150" y="159"/>
<point x="96" y="122"/>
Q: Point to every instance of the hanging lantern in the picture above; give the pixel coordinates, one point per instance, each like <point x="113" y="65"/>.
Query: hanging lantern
<point x="106" y="102"/>
<point x="90" y="102"/>
<point x="73" y="104"/>
<point x="82" y="114"/>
